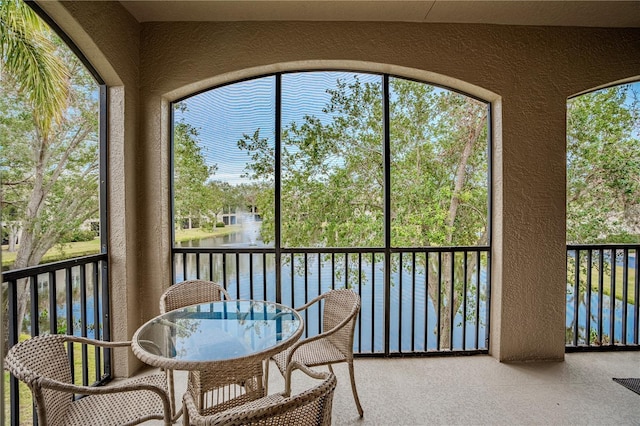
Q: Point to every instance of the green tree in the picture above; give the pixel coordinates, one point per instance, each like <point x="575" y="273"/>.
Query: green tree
<point x="333" y="175"/>
<point x="603" y="165"/>
<point x="603" y="180"/>
<point x="49" y="166"/>
<point x="27" y="60"/>
<point x="194" y="197"/>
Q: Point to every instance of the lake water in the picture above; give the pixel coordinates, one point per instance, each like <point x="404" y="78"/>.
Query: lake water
<point x="407" y="330"/>
<point x="413" y="316"/>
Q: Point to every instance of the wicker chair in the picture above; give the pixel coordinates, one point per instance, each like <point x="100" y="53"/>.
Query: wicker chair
<point x="190" y="293"/>
<point x="178" y="296"/>
<point x="42" y="363"/>
<point x="334" y="344"/>
<point x="311" y="407"/>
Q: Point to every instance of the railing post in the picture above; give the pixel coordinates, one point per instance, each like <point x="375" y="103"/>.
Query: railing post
<point x="387" y="210"/>
<point x="12" y="302"/>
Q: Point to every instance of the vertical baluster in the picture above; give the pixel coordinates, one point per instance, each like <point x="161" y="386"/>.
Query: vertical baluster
<point x="264" y="275"/>
<point x="452" y="298"/>
<point x="413" y="301"/>
<point x="400" y="300"/>
<point x="224" y="272"/>
<point x="373" y="301"/>
<point x="211" y="278"/>
<point x="105" y="319"/>
<point x="464" y="300"/>
<point x="426" y="301"/>
<point x="53" y="312"/>
<point x="306" y="287"/>
<point x="69" y="296"/>
<point x="251" y="275"/>
<point x="319" y="286"/>
<point x="293" y="290"/>
<point x="333" y="271"/>
<point x="238" y="275"/>
<point x="477" y="320"/>
<point x="346" y="270"/>
<point x="96" y="318"/>
<point x="488" y="299"/>
<point x="83" y="322"/>
<point x="184" y="267"/>
<point x="360" y="293"/>
<point x="625" y="293"/>
<point x="576" y="298"/>
<point x="612" y="298"/>
<point x="589" y="284"/>
<point x="197" y="266"/>
<point x="35" y="318"/>
<point x="439" y="300"/>
<point x="33" y="288"/>
<point x="12" y="301"/>
<point x="600" y="296"/>
<point x="636" y="297"/>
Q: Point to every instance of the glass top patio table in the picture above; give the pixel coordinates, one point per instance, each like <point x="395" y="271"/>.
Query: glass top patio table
<point x="199" y="336"/>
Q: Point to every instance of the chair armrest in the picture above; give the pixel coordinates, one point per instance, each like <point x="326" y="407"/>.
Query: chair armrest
<point x="322" y="335"/>
<point x="99" y="390"/>
<point x="310" y="302"/>
<point x="94" y="342"/>
<point x="295" y="365"/>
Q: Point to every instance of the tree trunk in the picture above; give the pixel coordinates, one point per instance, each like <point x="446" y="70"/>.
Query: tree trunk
<point x="453" y="301"/>
<point x="14" y="235"/>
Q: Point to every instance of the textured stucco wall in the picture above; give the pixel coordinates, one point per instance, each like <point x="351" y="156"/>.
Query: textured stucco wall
<point x="526" y="72"/>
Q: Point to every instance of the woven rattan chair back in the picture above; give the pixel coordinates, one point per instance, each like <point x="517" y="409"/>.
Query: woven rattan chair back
<point x="43" y="365"/>
<point x="334" y="343"/>
<point x="190" y="293"/>
<point x="213" y="389"/>
<point x="311" y="407"/>
<point x="341" y="305"/>
<point x="43" y="357"/>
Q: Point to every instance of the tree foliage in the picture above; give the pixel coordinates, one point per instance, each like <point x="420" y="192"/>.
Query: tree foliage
<point x="42" y="77"/>
<point x="333" y="169"/>
<point x="194" y="197"/>
<point x="49" y="170"/>
<point x="333" y="175"/>
<point x="603" y="165"/>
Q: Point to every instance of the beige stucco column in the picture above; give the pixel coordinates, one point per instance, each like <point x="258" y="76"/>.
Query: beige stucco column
<point x="529" y="249"/>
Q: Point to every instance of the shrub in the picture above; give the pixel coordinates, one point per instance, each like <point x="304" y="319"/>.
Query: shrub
<point x="220" y="225"/>
<point x="79" y="235"/>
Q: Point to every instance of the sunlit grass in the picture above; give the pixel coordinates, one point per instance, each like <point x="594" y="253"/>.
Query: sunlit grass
<point x="26" y="410"/>
<point x="631" y="279"/>
<point x="85" y="248"/>
<point x="606" y="283"/>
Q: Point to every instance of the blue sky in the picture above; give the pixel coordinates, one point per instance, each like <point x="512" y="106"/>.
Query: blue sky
<point x="224" y="114"/>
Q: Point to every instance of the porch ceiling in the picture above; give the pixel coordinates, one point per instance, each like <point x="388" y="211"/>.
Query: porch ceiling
<point x="589" y="13"/>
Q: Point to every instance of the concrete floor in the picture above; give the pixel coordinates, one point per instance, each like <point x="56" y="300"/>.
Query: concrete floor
<point x="478" y="390"/>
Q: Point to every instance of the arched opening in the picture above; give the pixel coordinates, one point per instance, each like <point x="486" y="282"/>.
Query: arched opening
<point x="304" y="181"/>
<point x="603" y="232"/>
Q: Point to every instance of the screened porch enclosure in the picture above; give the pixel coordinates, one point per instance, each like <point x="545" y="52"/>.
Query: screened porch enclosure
<point x="376" y="177"/>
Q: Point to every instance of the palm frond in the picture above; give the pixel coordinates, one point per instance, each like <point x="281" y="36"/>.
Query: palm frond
<point x="28" y="57"/>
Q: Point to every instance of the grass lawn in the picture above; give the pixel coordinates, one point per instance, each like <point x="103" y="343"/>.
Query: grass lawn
<point x="606" y="284"/>
<point x="631" y="280"/>
<point x="85" y="248"/>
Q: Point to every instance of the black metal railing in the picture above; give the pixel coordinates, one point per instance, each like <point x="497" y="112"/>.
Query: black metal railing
<point x="406" y="301"/>
<point x="68" y="297"/>
<point x="603" y="289"/>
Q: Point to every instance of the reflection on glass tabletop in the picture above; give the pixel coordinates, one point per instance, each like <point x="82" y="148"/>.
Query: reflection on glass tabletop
<point x="218" y="331"/>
